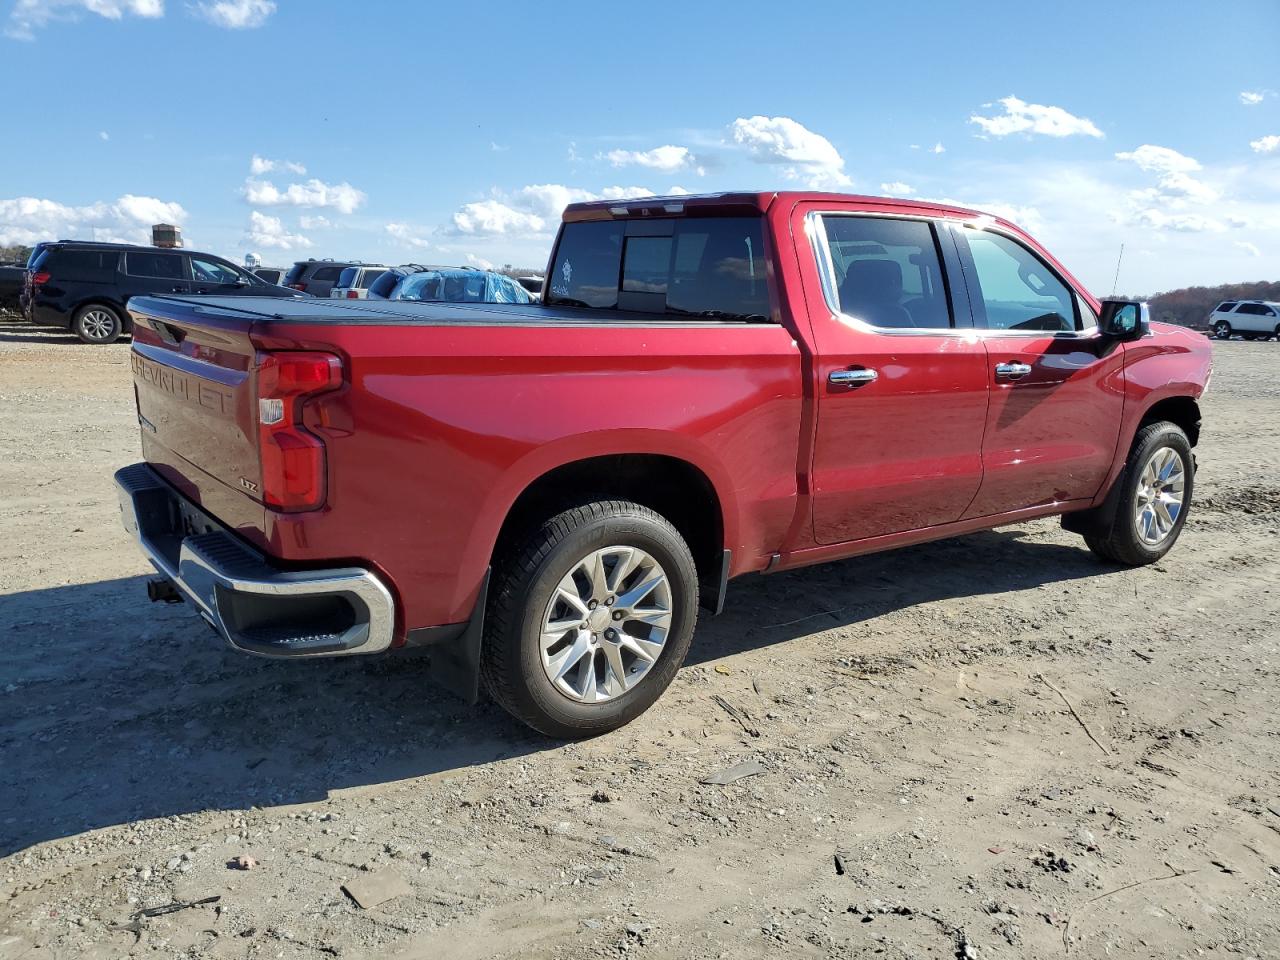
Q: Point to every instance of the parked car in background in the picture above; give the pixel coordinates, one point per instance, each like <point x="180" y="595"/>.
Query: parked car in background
<point x="712" y="386"/>
<point x="353" y="283"/>
<point x="12" y="279"/>
<point x="84" y="287"/>
<point x="533" y="285"/>
<point x="381" y="288"/>
<point x="317" y="277"/>
<point x="1250" y="319"/>
<point x="273" y="275"/>
<point x="459" y="286"/>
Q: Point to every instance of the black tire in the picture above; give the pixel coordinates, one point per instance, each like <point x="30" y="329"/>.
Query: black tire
<point x="511" y="658"/>
<point x="1120" y="541"/>
<point x="97" y="323"/>
<point x="1222" y="330"/>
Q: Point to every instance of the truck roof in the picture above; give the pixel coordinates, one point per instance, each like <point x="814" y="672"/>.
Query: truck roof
<point x="746" y="203"/>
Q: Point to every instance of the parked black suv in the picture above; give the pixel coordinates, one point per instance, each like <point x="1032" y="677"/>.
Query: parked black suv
<point x="84" y="286"/>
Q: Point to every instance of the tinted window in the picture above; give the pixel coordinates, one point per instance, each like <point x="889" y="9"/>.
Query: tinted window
<point x="1227" y="305"/>
<point x="383" y="286"/>
<point x="506" y="290"/>
<point x="211" y="271"/>
<point x="1250" y="308"/>
<point x="711" y="267"/>
<point x="1016" y="290"/>
<point x="270" y="276"/>
<point x="588" y="259"/>
<point x="327" y="273"/>
<point x="165" y="266"/>
<point x="96" y="265"/>
<point x="888" y="272"/>
<point x="369" y="277"/>
<point x="449" y="287"/>
<point x="295" y="273"/>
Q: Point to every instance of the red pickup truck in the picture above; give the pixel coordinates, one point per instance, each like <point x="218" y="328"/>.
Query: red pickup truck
<point x="545" y="494"/>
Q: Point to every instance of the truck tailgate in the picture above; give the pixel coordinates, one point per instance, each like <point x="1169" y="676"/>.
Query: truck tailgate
<point x="193" y="377"/>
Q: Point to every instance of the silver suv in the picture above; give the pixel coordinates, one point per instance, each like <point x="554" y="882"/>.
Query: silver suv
<point x="1251" y="319"/>
<point x="354" y="282"/>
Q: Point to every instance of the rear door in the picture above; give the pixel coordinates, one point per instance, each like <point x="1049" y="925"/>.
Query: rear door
<point x="1057" y="387"/>
<point x="1253" y="318"/>
<point x="154" y="271"/>
<point x="901" y="381"/>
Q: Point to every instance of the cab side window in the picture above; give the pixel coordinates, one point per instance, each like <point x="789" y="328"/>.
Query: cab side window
<point x="888" y="272"/>
<point x="1016" y="289"/>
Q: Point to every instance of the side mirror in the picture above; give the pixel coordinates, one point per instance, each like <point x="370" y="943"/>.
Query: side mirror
<point x="1124" y="319"/>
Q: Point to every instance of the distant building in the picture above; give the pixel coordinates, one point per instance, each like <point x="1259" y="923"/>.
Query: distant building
<point x="252" y="261"/>
<point x="166" y="235"/>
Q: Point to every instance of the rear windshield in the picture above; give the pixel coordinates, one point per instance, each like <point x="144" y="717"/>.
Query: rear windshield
<point x="697" y="267"/>
<point x="383" y="286"/>
<point x="367" y="279"/>
<point x="348" y="277"/>
<point x="295" y="273"/>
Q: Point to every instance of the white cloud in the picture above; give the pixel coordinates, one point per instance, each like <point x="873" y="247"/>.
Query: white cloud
<point x="29" y="220"/>
<point x="809" y="156"/>
<point x="935" y="149"/>
<point x="406" y="234"/>
<point x="234" y="14"/>
<point x="666" y="158"/>
<point x="480" y="262"/>
<point x="259" y="165"/>
<point x="1251" y="98"/>
<point x="896" y="188"/>
<point x="494" y="218"/>
<point x="1032" y="118"/>
<point x="677" y="191"/>
<point x="1174" y="185"/>
<point x="103" y="135"/>
<point x="265" y="231"/>
<point x="1182" y="222"/>
<point x="28" y="16"/>
<point x="1160" y="159"/>
<point x="342" y="197"/>
<point x="1267" y="144"/>
<point x="1247" y="247"/>
<point x="314" y="223"/>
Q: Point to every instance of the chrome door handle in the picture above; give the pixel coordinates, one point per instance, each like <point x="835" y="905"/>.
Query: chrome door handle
<point x="1012" y="371"/>
<point x="851" y="378"/>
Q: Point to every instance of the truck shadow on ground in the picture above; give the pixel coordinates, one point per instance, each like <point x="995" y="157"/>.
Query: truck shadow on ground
<point x="113" y="710"/>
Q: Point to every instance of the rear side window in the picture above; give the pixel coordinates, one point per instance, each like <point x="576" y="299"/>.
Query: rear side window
<point x="1226" y="306"/>
<point x="369" y="276"/>
<point x="165" y="266"/>
<point x="888" y="272"/>
<point x="88" y="265"/>
<point x="701" y="267"/>
<point x="325" y="274"/>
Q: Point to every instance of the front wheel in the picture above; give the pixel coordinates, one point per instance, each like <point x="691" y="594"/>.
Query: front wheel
<point x="591" y="619"/>
<point x="97" y="324"/>
<point x="1154" y="499"/>
<point x="1222" y="330"/>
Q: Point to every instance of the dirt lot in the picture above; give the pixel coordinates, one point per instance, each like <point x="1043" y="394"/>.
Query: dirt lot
<point x="927" y="791"/>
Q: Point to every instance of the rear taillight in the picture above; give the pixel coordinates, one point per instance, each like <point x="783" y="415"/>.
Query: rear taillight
<point x="293" y="458"/>
<point x="300" y="287"/>
<point x="38" y="279"/>
<point x="353" y="295"/>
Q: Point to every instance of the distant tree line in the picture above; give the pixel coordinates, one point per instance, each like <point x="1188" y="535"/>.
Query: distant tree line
<point x="15" y="253"/>
<point x="508" y="270"/>
<point x="1191" y="306"/>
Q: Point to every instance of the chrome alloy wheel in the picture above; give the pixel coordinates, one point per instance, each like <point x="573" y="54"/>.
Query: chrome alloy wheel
<point x="606" y="624"/>
<point x="98" y="324"/>
<point x="1161" y="488"/>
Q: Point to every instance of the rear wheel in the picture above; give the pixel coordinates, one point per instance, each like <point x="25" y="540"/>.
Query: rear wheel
<point x="1222" y="330"/>
<point x="591" y="619"/>
<point x="97" y="324"/>
<point x="1153" y="501"/>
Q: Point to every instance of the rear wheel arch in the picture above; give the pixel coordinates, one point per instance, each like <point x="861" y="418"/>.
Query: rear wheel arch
<point x="673" y="487"/>
<point x="126" y="321"/>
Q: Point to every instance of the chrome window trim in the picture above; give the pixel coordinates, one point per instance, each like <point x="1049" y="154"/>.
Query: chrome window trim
<point x="827" y="276"/>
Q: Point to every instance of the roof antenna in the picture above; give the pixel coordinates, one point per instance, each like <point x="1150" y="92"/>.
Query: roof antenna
<point x="1115" y="283"/>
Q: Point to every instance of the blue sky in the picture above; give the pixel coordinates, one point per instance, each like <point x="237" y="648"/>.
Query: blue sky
<point x="450" y="133"/>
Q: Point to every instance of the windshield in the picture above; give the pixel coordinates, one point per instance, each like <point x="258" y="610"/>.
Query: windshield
<point x="711" y="267"/>
<point x="460" y="287"/>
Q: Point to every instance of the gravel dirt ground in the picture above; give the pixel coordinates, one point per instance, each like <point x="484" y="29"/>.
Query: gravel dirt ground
<point x="993" y="746"/>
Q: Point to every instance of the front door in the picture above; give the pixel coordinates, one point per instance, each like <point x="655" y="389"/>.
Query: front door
<point x="1057" y="388"/>
<point x="901" y="383"/>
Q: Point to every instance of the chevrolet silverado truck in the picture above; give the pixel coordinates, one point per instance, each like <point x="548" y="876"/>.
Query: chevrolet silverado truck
<point x="544" y="495"/>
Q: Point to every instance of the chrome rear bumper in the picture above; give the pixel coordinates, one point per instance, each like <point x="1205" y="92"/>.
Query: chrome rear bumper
<point x="256" y="606"/>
